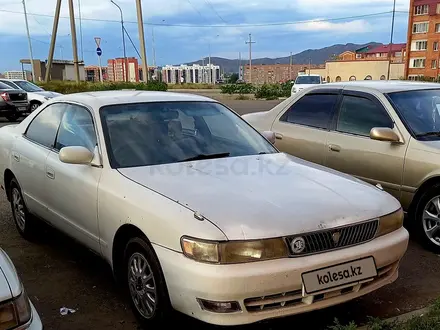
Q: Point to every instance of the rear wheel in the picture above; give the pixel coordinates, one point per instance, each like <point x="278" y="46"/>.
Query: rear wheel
<point x="24" y="221"/>
<point x="35" y="105"/>
<point x="145" y="283"/>
<point x="427" y="218"/>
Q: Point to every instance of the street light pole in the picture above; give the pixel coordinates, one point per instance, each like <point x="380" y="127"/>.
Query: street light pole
<point x="74" y="41"/>
<point x="391" y="40"/>
<point x="29" y="41"/>
<point x="123" y="41"/>
<point x="142" y="39"/>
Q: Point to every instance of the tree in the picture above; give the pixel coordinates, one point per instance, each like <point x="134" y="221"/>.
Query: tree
<point x="233" y="78"/>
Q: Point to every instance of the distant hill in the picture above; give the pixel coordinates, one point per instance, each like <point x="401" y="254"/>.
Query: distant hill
<point x="316" y="56"/>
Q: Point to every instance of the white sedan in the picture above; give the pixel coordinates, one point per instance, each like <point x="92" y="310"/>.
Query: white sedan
<point x="195" y="210"/>
<point x="16" y="310"/>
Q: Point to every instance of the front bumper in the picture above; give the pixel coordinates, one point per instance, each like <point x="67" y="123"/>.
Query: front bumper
<point x="271" y="289"/>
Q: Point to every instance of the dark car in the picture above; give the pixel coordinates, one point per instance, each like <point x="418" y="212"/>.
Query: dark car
<point x="13" y="102"/>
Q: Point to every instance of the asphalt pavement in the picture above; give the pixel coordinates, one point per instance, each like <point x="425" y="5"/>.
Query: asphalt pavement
<point x="57" y="273"/>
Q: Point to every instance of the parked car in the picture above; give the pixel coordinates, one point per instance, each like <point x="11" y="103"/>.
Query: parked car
<point x="36" y="94"/>
<point x="13" y="102"/>
<point x="195" y="210"/>
<point x="305" y="81"/>
<point x="16" y="310"/>
<point x="385" y="133"/>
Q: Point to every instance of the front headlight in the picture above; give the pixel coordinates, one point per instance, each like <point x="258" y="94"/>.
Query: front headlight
<point x="234" y="252"/>
<point x="15" y="313"/>
<point x="390" y="222"/>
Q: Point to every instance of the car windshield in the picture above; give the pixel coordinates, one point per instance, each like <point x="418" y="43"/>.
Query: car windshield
<point x="420" y="109"/>
<point x="28" y="86"/>
<point x="145" y="134"/>
<point x="308" y="80"/>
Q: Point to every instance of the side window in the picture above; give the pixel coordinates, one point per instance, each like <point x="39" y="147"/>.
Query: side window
<point x="314" y="110"/>
<point x="76" y="129"/>
<point x="10" y="84"/>
<point x="359" y="115"/>
<point x="43" y="128"/>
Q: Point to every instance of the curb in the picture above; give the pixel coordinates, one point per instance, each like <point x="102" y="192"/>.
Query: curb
<point x="403" y="317"/>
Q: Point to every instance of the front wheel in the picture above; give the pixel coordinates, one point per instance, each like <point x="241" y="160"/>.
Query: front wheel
<point x="145" y="283"/>
<point x="427" y="217"/>
<point x="34" y="106"/>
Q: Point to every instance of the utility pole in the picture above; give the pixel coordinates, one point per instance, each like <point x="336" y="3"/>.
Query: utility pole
<point x="290" y="67"/>
<point x="239" y="65"/>
<point x="142" y="39"/>
<point x="250" y="42"/>
<point x="123" y="41"/>
<point x="80" y="30"/>
<point x="310" y="65"/>
<point x="29" y="41"/>
<point x="53" y="41"/>
<point x="74" y="45"/>
<point x="391" y="40"/>
<point x="153" y="43"/>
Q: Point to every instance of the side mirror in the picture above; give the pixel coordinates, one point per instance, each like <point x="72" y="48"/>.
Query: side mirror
<point x="384" y="134"/>
<point x="270" y="136"/>
<point x="76" y="155"/>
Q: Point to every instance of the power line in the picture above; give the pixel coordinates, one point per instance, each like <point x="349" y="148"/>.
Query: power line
<point x="195" y="8"/>
<point x="44" y="28"/>
<point x="219" y="25"/>
<point x="215" y="11"/>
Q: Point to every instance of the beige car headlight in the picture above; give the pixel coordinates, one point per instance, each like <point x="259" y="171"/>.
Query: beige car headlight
<point x="234" y="252"/>
<point x="15" y="312"/>
<point x="391" y="222"/>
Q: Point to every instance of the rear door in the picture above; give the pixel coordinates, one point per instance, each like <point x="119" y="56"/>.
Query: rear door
<point x="350" y="149"/>
<point x="302" y="128"/>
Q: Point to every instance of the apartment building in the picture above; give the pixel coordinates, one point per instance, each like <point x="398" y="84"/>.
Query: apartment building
<point x="423" y="39"/>
<point x="117" y="69"/>
<point x="92" y="73"/>
<point x="195" y="74"/>
<point x="15" y="74"/>
<point x="274" y="73"/>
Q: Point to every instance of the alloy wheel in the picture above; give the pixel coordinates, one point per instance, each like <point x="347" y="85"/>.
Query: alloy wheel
<point x="431" y="220"/>
<point x="34" y="106"/>
<point x="18" y="208"/>
<point x="142" y="285"/>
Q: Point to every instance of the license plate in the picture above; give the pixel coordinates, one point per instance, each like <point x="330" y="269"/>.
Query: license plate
<point x="21" y="108"/>
<point x="339" y="275"/>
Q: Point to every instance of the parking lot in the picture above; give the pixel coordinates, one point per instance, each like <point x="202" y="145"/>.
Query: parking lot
<point x="60" y="273"/>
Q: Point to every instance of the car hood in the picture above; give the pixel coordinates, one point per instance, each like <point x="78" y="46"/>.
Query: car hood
<point x="47" y="94"/>
<point x="9" y="282"/>
<point x="263" y="196"/>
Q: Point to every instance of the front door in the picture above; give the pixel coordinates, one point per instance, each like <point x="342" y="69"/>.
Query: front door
<point x="72" y="189"/>
<point x="351" y="150"/>
<point x="302" y="128"/>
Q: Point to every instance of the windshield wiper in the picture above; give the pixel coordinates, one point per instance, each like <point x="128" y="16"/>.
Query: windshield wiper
<point x="428" y="134"/>
<point x="209" y="156"/>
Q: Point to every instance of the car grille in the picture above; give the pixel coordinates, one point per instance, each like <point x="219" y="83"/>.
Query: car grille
<point x="295" y="299"/>
<point x="332" y="239"/>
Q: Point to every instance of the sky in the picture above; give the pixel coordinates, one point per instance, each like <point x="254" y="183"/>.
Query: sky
<point x="188" y="30"/>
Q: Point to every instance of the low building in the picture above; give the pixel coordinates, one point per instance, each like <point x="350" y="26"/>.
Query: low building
<point x="61" y="70"/>
<point x="274" y="73"/>
<point x="15" y="75"/>
<point x="92" y="73"/>
<point x="118" y="68"/>
<point x="193" y="74"/>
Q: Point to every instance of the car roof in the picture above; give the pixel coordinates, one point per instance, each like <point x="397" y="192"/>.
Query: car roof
<point x="383" y="86"/>
<point x="99" y="99"/>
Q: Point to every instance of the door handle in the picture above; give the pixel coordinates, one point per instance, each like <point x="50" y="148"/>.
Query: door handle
<point x="278" y="136"/>
<point x="16" y="156"/>
<point x="334" y="147"/>
<point x="50" y="173"/>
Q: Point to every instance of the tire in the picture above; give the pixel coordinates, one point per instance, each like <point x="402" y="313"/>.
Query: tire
<point x="427" y="218"/>
<point x="24" y="221"/>
<point x="34" y="106"/>
<point x="13" y="117"/>
<point x="147" y="289"/>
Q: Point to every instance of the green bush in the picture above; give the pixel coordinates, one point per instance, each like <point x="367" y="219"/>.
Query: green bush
<point x="237" y="89"/>
<point x="273" y="91"/>
<point x="192" y="86"/>
<point x="68" y="87"/>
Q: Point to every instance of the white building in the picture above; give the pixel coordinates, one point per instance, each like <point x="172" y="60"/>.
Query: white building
<point x="193" y="74"/>
<point x="15" y="75"/>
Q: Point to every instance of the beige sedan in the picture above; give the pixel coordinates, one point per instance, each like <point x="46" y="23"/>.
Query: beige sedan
<point x="385" y="133"/>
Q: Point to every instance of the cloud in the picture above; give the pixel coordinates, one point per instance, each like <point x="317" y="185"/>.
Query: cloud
<point x="357" y="26"/>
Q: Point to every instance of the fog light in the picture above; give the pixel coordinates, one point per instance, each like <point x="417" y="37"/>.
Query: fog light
<point x="219" y="306"/>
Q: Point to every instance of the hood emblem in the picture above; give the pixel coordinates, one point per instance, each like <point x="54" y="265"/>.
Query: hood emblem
<point x="298" y="245"/>
<point x="336" y="236"/>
